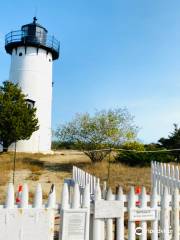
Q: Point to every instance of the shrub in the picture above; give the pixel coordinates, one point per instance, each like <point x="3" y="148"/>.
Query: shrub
<point x="143" y="158"/>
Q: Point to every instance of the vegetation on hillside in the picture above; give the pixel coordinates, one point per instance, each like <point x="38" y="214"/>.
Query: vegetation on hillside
<point x="105" y="129"/>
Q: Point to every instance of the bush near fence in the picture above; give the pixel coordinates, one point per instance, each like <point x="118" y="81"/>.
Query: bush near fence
<point x="143" y="159"/>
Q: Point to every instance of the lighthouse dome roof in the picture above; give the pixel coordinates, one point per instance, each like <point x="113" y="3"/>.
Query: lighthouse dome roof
<point x="34" y="24"/>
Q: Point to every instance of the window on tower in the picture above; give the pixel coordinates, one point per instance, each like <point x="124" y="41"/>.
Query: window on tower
<point x="30" y="103"/>
<point x="20" y="54"/>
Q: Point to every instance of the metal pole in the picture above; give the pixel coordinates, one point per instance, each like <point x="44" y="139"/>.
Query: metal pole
<point x="14" y="163"/>
<point x="109" y="164"/>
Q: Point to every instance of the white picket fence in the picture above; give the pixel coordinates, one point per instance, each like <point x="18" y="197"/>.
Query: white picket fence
<point x="106" y="216"/>
<point x="24" y="221"/>
<point x="157" y="216"/>
<point x="82" y="178"/>
<point x="163" y="174"/>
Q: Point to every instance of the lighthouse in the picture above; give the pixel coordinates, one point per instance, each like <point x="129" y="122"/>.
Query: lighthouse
<point x="32" y="53"/>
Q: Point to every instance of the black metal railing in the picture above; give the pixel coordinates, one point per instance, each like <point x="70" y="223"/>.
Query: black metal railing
<point x="37" y="38"/>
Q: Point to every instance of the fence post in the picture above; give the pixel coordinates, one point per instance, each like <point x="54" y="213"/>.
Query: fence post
<point x="38" y="196"/>
<point x="86" y="204"/>
<point x="143" y="224"/>
<point x="175" y="211"/>
<point x="10" y="196"/>
<point x="109" y="222"/>
<point x="52" y="197"/>
<point x="131" y="224"/>
<point x="165" y="215"/>
<point x="120" y="221"/>
<point x="76" y="197"/>
<point x="154" y="204"/>
<point x="98" y="224"/>
<point x="24" y="199"/>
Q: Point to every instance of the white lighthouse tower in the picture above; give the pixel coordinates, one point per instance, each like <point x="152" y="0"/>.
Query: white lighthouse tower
<point x="32" y="52"/>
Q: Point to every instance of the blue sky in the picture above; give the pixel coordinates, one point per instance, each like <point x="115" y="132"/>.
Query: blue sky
<point x="114" y="53"/>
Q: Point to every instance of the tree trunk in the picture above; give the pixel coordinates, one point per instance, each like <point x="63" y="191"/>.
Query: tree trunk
<point x="5" y="146"/>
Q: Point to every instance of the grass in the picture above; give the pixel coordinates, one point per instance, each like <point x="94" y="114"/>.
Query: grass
<point x="54" y="168"/>
<point x="120" y="174"/>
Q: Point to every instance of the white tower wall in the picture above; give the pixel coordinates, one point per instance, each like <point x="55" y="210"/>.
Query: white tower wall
<point x="33" y="73"/>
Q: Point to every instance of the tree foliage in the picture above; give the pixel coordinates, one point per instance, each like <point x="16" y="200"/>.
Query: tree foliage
<point x="106" y="129"/>
<point x="172" y="142"/>
<point x="17" y="119"/>
<point x="142" y="155"/>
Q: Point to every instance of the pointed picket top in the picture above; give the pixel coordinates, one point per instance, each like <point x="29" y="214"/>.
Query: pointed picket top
<point x="65" y="197"/>
<point x="165" y="199"/>
<point x="168" y="170"/>
<point x="109" y="195"/>
<point x="10" y="196"/>
<point x="76" y="197"/>
<point x="154" y="197"/>
<point x="161" y="169"/>
<point x="119" y="195"/>
<point x="132" y="199"/>
<point x="177" y="173"/>
<point x="52" y="197"/>
<point x="25" y="197"/>
<point x="86" y="197"/>
<point x="172" y="171"/>
<point x="38" y="197"/>
<point x="143" y="198"/>
<point x="165" y="170"/>
<point x="97" y="195"/>
<point x="104" y="190"/>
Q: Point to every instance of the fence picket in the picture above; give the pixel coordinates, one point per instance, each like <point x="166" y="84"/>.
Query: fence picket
<point x="154" y="205"/>
<point x="131" y="224"/>
<point x="109" y="222"/>
<point x="25" y="197"/>
<point x="143" y="204"/>
<point x="120" y="221"/>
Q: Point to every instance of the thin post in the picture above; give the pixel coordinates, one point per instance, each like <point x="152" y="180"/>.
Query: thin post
<point x="14" y="163"/>
<point x="109" y="166"/>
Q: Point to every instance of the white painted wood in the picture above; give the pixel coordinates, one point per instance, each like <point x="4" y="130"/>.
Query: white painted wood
<point x="10" y="196"/>
<point x="25" y="197"/>
<point x="175" y="205"/>
<point x="165" y="216"/>
<point x="109" y="222"/>
<point x="120" y="221"/>
<point x="143" y="204"/>
<point x="154" y="204"/>
<point x="131" y="224"/>
<point x="98" y="224"/>
<point x="38" y="196"/>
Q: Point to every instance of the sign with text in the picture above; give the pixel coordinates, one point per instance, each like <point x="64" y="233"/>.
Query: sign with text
<point x="74" y="224"/>
<point x="108" y="209"/>
<point x="144" y="214"/>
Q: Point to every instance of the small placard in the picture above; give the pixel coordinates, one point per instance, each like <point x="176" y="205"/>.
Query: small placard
<point x="145" y="214"/>
<point x="108" y="209"/>
<point x="74" y="225"/>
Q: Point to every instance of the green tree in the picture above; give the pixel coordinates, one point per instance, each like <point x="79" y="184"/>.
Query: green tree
<point x="172" y="142"/>
<point x="17" y="119"/>
<point x="106" y="129"/>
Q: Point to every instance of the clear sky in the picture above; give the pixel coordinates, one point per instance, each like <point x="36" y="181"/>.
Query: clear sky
<point x="114" y="53"/>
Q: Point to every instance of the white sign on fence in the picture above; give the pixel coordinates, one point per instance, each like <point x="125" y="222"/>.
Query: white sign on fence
<point x="26" y="224"/>
<point x="145" y="214"/>
<point x="74" y="224"/>
<point x="108" y="209"/>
